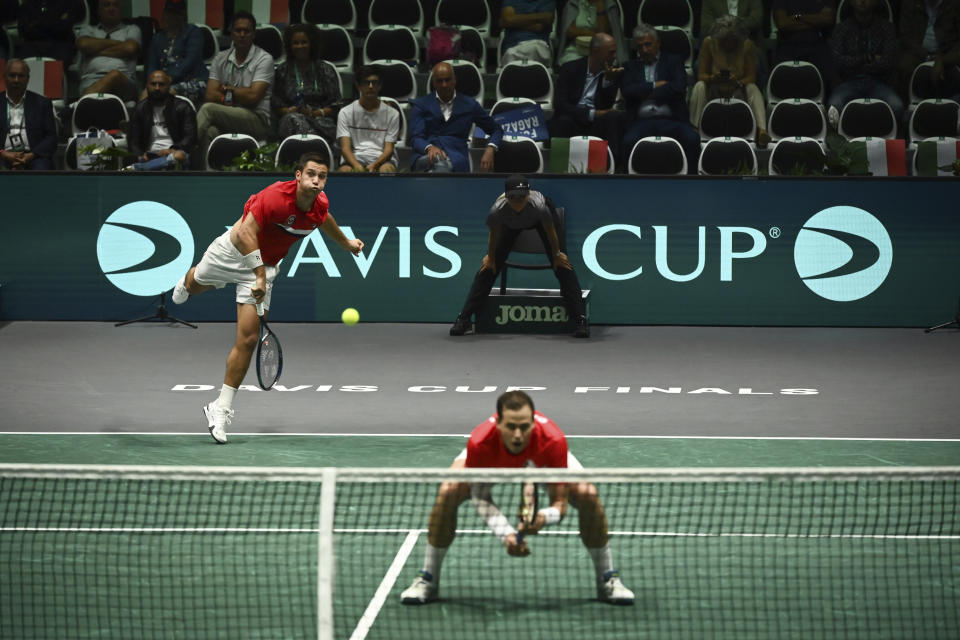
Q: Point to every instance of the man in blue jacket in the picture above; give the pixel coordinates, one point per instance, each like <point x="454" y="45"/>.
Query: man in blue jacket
<point x="441" y="122"/>
<point x="28" y="132"/>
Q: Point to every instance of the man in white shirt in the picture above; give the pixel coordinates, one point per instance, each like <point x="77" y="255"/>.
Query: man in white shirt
<point x="368" y="129"/>
<point x="238" y="90"/>
<point x="109" y="49"/>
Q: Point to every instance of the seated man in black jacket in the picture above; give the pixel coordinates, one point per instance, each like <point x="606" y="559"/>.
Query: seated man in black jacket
<point x="163" y="129"/>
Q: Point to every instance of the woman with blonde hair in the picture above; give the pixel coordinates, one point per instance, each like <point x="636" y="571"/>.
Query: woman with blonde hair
<point x="728" y="69"/>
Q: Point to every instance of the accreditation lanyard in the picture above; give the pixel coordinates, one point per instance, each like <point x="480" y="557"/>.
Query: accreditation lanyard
<point x="237" y="67"/>
<point x="16" y="139"/>
<point x="313" y="70"/>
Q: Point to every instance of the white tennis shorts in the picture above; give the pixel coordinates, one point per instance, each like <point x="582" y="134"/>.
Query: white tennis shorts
<point x="222" y="264"/>
<point x="572" y="462"/>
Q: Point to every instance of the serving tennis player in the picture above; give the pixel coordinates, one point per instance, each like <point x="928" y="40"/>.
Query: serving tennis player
<point x="515" y="436"/>
<point x="247" y="255"/>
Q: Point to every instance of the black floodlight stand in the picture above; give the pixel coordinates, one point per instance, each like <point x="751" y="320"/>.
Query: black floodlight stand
<point x="161" y="315"/>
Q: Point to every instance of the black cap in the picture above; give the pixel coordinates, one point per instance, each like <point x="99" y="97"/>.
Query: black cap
<point x="175" y="5"/>
<point x="516" y="186"/>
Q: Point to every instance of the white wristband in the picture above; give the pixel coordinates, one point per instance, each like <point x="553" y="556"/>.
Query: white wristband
<point x="552" y="515"/>
<point x="253" y="259"/>
<point x="500" y="526"/>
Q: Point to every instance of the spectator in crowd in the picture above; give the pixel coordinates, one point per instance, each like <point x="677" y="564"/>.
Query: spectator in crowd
<point x="583" y="101"/>
<point x="28" y="131"/>
<point x="930" y="31"/>
<point x="306" y="94"/>
<point x="803" y="29"/>
<point x="46" y="29"/>
<point x="367" y="128"/>
<point x="109" y="49"/>
<point x="654" y="85"/>
<point x="865" y="58"/>
<point x="163" y="128"/>
<point x="440" y="123"/>
<point x="750" y="13"/>
<point x="583" y="19"/>
<point x="177" y="49"/>
<point x="238" y="90"/>
<point x="728" y="69"/>
<point x="527" y="26"/>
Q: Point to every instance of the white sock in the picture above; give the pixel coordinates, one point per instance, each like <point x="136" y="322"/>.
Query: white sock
<point x="226" y="396"/>
<point x="602" y="560"/>
<point x="432" y="559"/>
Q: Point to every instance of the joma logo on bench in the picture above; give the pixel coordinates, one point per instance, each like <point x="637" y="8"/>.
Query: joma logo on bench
<point x="531" y="313"/>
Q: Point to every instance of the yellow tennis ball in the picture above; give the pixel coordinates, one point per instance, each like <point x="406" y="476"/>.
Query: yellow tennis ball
<point x="350" y="316"/>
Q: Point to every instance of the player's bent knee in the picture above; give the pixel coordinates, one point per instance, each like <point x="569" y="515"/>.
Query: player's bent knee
<point x="583" y="494"/>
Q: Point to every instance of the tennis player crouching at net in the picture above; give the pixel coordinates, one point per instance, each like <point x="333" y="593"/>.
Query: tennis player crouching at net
<point x="517" y="436"/>
<point x="247" y="255"/>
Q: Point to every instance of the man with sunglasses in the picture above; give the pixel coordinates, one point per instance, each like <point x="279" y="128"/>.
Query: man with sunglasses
<point x="368" y="128"/>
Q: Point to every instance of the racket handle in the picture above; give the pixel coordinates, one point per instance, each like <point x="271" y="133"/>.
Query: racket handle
<point x="519" y="537"/>
<point x="260" y="309"/>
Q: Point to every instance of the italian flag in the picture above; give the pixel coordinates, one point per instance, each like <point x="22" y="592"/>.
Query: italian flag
<point x="137" y="8"/>
<point x="884" y="157"/>
<point x="50" y="74"/>
<point x="933" y="154"/>
<point x="272" y="11"/>
<point x="578" y="155"/>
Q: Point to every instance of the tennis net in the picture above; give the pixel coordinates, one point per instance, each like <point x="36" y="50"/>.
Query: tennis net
<point x="176" y="552"/>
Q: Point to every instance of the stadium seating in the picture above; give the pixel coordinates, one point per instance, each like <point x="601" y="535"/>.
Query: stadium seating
<point x="397" y="80"/>
<point x="659" y="13"/>
<point x="391" y="42"/>
<point x="473" y="13"/>
<point x="292" y="147"/>
<point x="227" y="146"/>
<point x="339" y="12"/>
<point x="526" y="80"/>
<point x="727" y="117"/>
<point x="336" y="46"/>
<point x="796" y="79"/>
<point x="866" y="117"/>
<point x="518" y="154"/>
<point x="727" y="156"/>
<point x="657" y="155"/>
<point x="797" y="156"/>
<point x="797" y="117"/>
<point x="469" y="79"/>
<point x="406" y="13"/>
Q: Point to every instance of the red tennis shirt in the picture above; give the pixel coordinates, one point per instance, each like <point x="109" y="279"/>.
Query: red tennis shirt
<point x="281" y="223"/>
<point x="547" y="446"/>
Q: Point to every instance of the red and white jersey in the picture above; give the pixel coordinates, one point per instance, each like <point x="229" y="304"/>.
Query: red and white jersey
<point x="281" y="223"/>
<point x="547" y="446"/>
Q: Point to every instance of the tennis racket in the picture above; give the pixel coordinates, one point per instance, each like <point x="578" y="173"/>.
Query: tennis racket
<point x="529" y="496"/>
<point x="269" y="354"/>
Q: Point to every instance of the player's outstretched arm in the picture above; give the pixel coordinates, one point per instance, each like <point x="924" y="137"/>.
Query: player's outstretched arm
<point x="332" y="229"/>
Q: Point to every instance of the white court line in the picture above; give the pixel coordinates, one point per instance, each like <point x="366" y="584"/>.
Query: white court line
<point x="464" y="436"/>
<point x="373" y="609"/>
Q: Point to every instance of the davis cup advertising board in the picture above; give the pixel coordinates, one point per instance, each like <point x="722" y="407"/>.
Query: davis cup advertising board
<point x="829" y="252"/>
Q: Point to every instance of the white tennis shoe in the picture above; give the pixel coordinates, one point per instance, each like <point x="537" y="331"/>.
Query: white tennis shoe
<point x="422" y="591"/>
<point x="180" y="293"/>
<point x="610" y="589"/>
<point x="218" y="418"/>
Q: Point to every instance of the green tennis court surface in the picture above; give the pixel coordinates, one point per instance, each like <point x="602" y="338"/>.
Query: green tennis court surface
<point x="437" y="451"/>
<point x="173" y="560"/>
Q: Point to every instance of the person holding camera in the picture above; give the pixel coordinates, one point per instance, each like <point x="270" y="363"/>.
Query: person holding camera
<point x="728" y="69"/>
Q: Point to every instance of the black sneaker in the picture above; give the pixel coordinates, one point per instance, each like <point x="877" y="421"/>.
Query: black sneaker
<point x="460" y="326"/>
<point x="582" y="329"/>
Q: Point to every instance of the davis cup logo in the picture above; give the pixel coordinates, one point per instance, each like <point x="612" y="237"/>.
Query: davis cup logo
<point x="843" y="254"/>
<point x="144" y="247"/>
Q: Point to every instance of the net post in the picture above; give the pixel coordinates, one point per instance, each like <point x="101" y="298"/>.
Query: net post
<point x="325" y="557"/>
